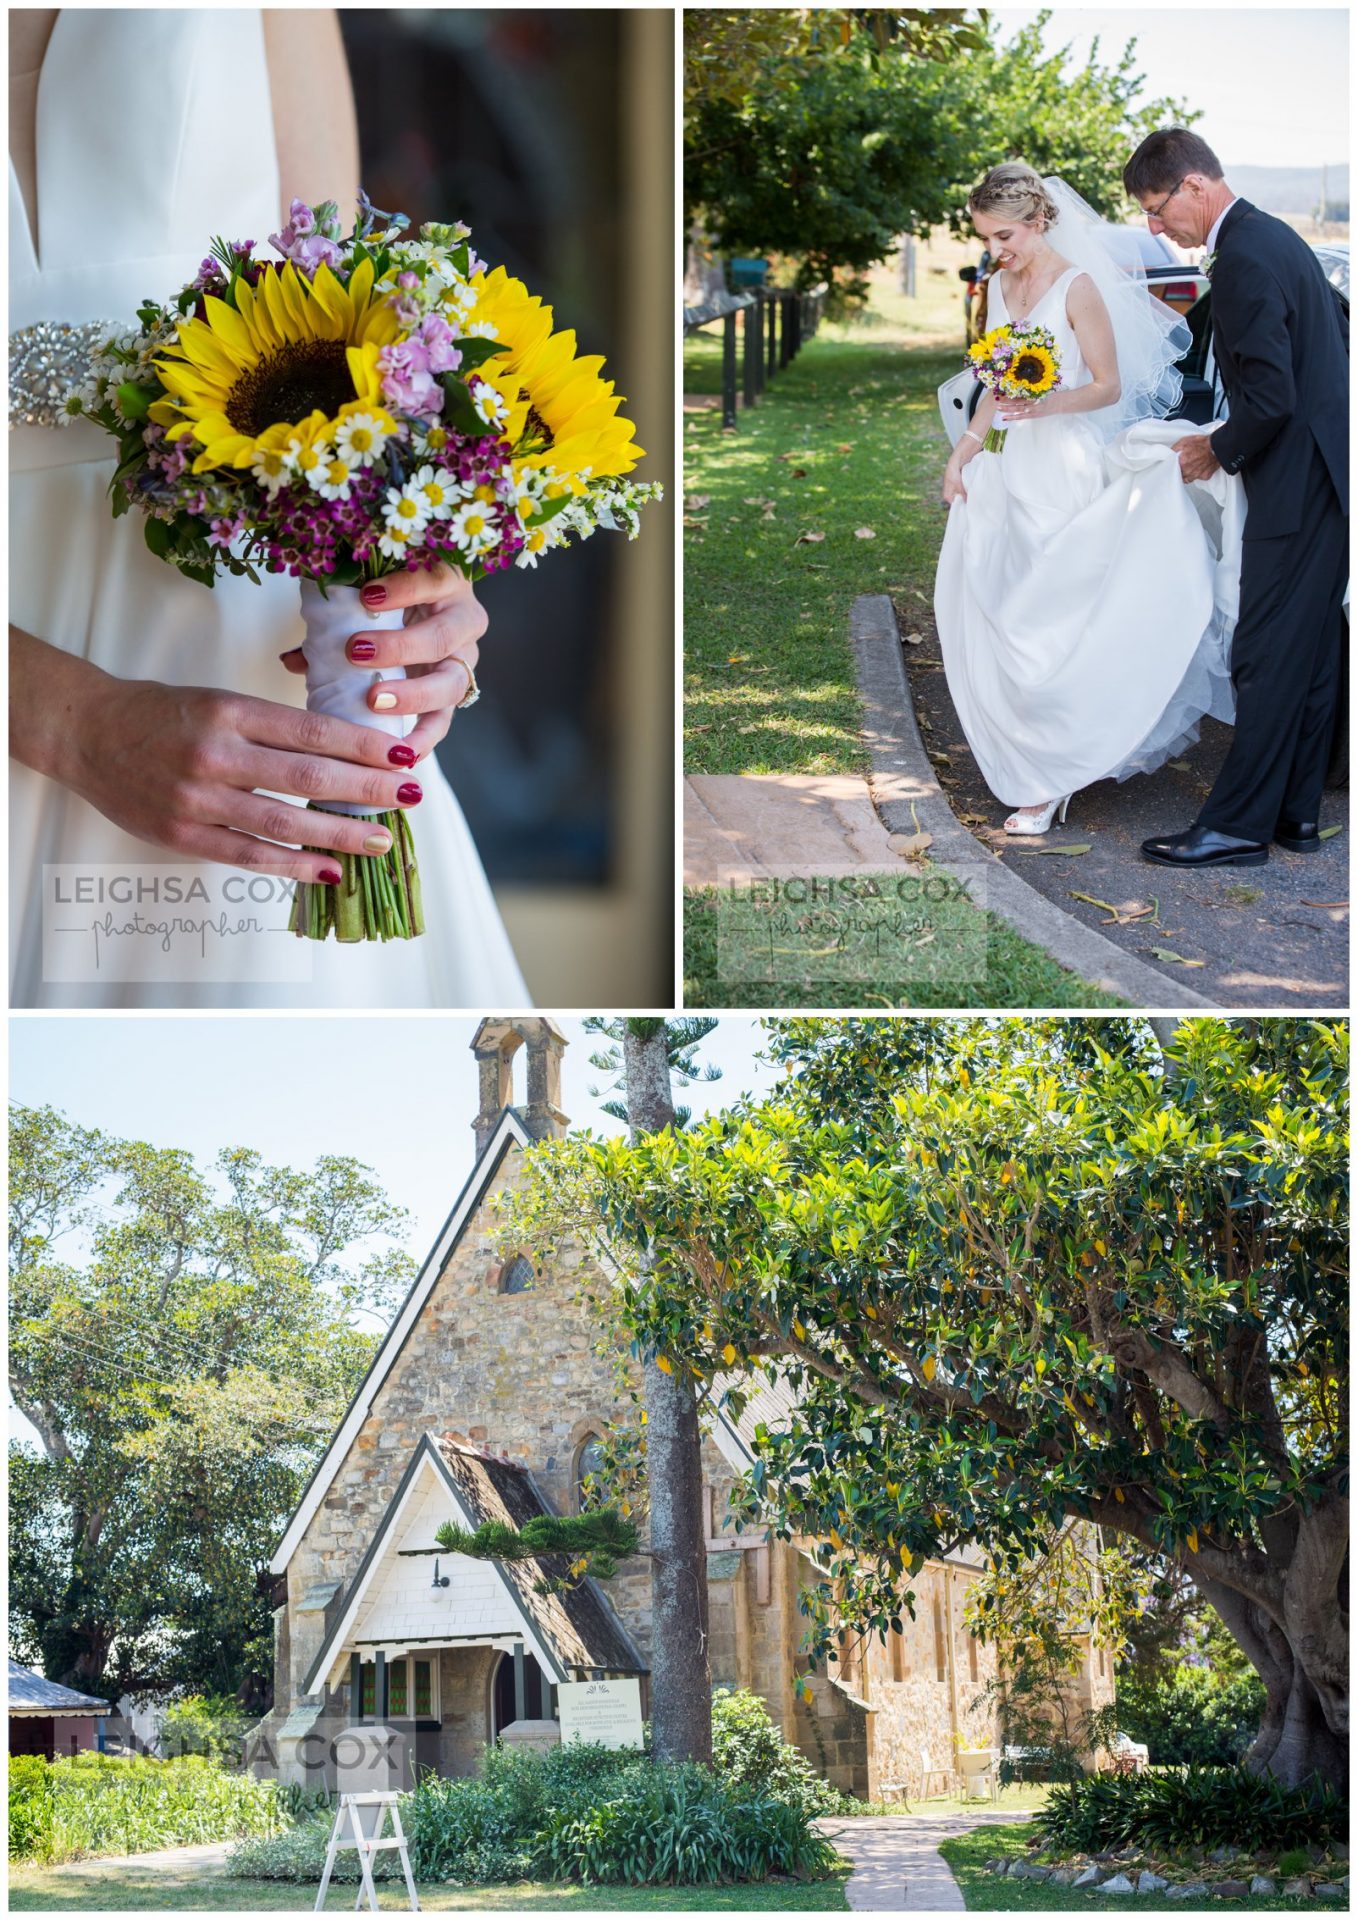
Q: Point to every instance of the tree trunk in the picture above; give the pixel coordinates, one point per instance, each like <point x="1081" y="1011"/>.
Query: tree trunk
<point x="681" y="1677"/>
<point x="1300" y="1733"/>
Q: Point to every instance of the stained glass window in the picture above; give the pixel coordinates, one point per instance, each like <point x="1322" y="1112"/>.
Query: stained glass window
<point x="367" y="1692"/>
<point x="424" y="1689"/>
<point x="398" y="1691"/>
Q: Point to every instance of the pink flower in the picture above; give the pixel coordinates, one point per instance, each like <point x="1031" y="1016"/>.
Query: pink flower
<point x="407" y="383"/>
<point x="436" y="336"/>
<point x="301" y="218"/>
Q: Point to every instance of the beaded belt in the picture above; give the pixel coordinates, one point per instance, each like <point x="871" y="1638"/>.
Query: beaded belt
<point x="48" y="360"/>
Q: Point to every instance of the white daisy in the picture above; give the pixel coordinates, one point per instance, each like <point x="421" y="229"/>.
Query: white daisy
<point x="361" y="438"/>
<point x="482" y="330"/>
<point x="333" y="482"/>
<point x="406" y="507"/>
<point x="440" y="491"/>
<point x="310" y="462"/>
<point x="491" y="405"/>
<point x="396" y="543"/>
<point x="272" y="468"/>
<point x="472" y="528"/>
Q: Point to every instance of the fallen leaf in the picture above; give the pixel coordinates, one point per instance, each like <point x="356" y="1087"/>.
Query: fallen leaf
<point x="864" y="533"/>
<point x="1181" y="766"/>
<point x="1124" y="915"/>
<point x="844" y="446"/>
<point x="1328" y="833"/>
<point x="799" y="473"/>
<point x="691" y="521"/>
<point x="1325" y="903"/>
<point x="808" y="539"/>
<point x="1167" y="953"/>
<point x="913" y="639"/>
<point x="909" y="845"/>
<point x="1083" y="846"/>
<point x="695" y="502"/>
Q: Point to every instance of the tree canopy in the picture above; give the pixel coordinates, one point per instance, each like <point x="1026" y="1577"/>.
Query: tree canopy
<point x="1022" y="1272"/>
<point x="828" y="161"/>
<point x="183" y="1344"/>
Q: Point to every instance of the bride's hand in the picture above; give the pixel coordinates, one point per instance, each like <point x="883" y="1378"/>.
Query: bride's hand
<point x="437" y="647"/>
<point x="1008" y="412"/>
<point x="178" y="767"/>
<point x="953" y="488"/>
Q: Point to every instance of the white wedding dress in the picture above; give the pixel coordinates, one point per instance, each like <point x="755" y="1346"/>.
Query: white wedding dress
<point x="154" y="133"/>
<point x="1085" y="597"/>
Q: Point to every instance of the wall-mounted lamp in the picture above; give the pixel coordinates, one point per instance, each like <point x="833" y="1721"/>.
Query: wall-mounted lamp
<point x="446" y="1581"/>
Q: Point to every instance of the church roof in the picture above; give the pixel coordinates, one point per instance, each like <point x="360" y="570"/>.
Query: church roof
<point x="575" y="1631"/>
<point x="30" y="1693"/>
<point x="580" y="1623"/>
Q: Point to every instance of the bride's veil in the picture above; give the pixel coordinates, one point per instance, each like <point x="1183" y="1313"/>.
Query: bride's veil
<point x="1150" y="336"/>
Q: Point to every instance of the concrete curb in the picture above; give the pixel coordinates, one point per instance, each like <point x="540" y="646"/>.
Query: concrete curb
<point x="908" y="799"/>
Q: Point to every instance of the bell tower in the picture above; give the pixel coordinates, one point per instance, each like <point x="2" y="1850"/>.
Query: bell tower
<point x="493" y="1047"/>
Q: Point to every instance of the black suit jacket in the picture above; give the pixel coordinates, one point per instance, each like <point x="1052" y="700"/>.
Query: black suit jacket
<point x="1282" y="343"/>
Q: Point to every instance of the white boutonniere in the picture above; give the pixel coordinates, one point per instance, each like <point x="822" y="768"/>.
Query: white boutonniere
<point x="1209" y="262"/>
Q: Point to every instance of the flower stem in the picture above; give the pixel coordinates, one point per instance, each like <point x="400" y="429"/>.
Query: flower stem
<point x="994" y="440"/>
<point x="376" y="898"/>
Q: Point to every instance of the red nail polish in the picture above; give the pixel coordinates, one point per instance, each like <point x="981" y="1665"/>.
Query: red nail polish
<point x="331" y="875"/>
<point x="374" y="594"/>
<point x="401" y="756"/>
<point x="409" y="793"/>
<point x="362" y="650"/>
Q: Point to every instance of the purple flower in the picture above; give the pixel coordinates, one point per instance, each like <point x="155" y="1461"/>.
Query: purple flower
<point x="301" y="219"/>
<point x="310" y="253"/>
<point x="407" y="280"/>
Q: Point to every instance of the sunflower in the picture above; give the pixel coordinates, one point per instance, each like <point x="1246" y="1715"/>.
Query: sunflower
<point x="1034" y="370"/>
<point x="555" y="397"/>
<point x="243" y="380"/>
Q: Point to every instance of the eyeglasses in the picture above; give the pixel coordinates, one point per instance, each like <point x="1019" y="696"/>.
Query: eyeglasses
<point x="1153" y="213"/>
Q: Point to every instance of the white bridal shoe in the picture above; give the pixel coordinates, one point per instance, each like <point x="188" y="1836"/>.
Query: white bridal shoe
<point x="1039" y="820"/>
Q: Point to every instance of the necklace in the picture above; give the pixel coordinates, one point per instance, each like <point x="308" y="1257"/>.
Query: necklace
<point x="1046" y="254"/>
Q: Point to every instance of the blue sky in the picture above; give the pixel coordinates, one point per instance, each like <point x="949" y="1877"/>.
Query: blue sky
<point x="1272" y="84"/>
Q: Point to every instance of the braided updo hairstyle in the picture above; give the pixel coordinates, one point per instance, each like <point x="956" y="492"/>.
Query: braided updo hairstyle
<point x="1013" y="191"/>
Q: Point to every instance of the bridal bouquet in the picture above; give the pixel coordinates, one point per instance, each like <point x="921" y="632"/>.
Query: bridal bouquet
<point x="1018" y="362"/>
<point x="356" y="406"/>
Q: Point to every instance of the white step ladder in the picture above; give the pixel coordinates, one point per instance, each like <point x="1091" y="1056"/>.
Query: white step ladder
<point x="366" y="1815"/>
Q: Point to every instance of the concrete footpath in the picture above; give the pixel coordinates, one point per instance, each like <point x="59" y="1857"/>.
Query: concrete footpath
<point x="1270" y="936"/>
<point x="897" y="1867"/>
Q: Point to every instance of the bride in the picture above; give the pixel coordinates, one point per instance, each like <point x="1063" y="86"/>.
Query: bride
<point x="1085" y="595"/>
<point x="150" y="717"/>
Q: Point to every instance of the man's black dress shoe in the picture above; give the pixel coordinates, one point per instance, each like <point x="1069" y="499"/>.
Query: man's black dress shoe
<point x="1298" y="836"/>
<point x="1203" y="847"/>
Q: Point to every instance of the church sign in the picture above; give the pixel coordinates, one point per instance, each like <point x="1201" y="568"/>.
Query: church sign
<point x="605" y="1711"/>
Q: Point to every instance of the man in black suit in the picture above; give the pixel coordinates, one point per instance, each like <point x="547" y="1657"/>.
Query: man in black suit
<point x="1281" y="342"/>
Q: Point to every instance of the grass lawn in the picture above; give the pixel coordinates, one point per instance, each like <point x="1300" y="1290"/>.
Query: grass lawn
<point x="90" y="1888"/>
<point x="987" y="1893"/>
<point x="1014" y="973"/>
<point x="846" y="439"/>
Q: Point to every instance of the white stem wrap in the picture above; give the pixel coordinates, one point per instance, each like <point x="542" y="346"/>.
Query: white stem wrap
<point x="334" y="684"/>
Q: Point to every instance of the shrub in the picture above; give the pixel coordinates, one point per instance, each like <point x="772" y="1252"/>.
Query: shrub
<point x="488" y="1829"/>
<point x="749" y="1751"/>
<point x="298" y="1854"/>
<point x="30" y="1808"/>
<point x="1191" y="1717"/>
<point x="684" y="1825"/>
<point x="210" y="1723"/>
<point x="1198" y="1807"/>
<point x="101" y="1803"/>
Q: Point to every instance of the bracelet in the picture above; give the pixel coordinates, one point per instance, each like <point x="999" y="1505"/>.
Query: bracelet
<point x="967" y="434"/>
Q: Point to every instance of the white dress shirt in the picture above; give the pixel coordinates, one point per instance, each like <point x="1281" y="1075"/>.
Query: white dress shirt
<point x="1216" y="225"/>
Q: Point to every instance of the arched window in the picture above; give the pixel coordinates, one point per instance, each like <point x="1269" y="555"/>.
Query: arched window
<point x="518" y="1276"/>
<point x="590" y="1459"/>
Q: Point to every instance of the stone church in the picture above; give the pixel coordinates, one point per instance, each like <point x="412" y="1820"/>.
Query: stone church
<point x="487" y="1399"/>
